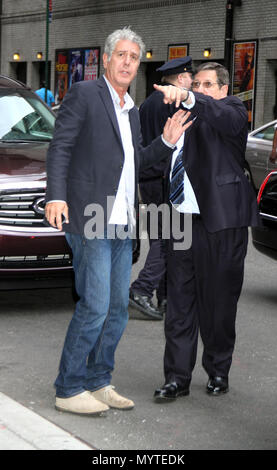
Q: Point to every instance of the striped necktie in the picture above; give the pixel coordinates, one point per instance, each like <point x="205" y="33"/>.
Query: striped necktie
<point x="176" y="194"/>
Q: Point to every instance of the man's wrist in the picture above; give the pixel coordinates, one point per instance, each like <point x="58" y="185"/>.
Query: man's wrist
<point x="168" y="144"/>
<point x="187" y="97"/>
<point x="189" y="101"/>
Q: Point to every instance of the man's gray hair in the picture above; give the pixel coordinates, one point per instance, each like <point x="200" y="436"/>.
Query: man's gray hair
<point x="125" y="34"/>
<point x="221" y="72"/>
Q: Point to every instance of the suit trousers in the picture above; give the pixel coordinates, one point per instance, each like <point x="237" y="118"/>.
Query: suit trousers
<point x="204" y="285"/>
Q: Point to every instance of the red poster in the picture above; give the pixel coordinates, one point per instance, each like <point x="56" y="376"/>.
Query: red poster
<point x="244" y="71"/>
<point x="175" y="51"/>
<point x="61" y="76"/>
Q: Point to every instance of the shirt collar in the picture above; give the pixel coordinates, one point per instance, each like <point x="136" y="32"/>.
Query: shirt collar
<point x="129" y="103"/>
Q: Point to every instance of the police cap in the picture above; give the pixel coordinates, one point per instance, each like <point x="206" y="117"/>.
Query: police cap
<point x="175" y="66"/>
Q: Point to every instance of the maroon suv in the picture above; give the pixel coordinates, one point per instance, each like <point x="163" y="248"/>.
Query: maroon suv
<point x="31" y="254"/>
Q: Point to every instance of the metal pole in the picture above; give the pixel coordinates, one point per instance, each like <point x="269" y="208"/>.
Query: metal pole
<point x="228" y="34"/>
<point x="46" y="49"/>
<point x="230" y="8"/>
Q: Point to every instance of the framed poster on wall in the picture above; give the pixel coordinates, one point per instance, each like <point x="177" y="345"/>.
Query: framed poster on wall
<point x="61" y="75"/>
<point x="74" y="65"/>
<point x="91" y="64"/>
<point x="244" y="75"/>
<point x="176" y="51"/>
<point x="76" y="69"/>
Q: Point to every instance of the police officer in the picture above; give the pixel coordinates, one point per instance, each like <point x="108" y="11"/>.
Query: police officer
<point x="153" y="115"/>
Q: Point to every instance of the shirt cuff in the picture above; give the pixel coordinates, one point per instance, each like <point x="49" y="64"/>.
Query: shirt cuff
<point x="192" y="99"/>
<point x="55" y="200"/>
<point x="168" y="144"/>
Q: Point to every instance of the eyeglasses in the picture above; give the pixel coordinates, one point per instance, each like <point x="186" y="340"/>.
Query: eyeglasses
<point x="206" y="84"/>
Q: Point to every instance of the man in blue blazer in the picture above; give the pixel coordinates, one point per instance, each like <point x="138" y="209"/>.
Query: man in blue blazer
<point x="92" y="166"/>
<point x="205" y="281"/>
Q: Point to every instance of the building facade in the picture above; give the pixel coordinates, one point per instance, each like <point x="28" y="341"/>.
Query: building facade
<point x="242" y="34"/>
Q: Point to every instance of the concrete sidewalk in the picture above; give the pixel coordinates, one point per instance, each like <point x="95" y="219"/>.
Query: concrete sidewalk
<point x="22" y="429"/>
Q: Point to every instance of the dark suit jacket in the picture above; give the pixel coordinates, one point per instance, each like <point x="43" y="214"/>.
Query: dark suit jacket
<point x="85" y="157"/>
<point x="214" y="158"/>
<point x="153" y="116"/>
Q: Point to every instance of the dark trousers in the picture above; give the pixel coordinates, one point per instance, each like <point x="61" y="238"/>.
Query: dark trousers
<point x="152" y="276"/>
<point x="204" y="285"/>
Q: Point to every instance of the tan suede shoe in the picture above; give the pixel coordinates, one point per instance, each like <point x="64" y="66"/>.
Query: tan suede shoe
<point x="111" y="398"/>
<point x="83" y="404"/>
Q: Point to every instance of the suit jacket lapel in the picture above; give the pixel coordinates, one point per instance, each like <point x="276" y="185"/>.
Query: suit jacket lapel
<point x="195" y="123"/>
<point x="133" y="126"/>
<point x="134" y="130"/>
<point x="108" y="103"/>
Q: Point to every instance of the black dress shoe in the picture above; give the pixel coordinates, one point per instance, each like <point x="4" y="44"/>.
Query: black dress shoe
<point x="162" y="304"/>
<point x="144" y="305"/>
<point x="217" y="385"/>
<point x="170" y="391"/>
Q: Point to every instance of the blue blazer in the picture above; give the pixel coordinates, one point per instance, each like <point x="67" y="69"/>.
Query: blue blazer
<point x="85" y="157"/>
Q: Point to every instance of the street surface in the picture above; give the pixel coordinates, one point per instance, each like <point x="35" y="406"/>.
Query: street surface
<point x="32" y="330"/>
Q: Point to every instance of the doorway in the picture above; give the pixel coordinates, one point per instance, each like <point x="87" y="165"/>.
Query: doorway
<point x="39" y="74"/>
<point x="152" y="76"/>
<point x="19" y="71"/>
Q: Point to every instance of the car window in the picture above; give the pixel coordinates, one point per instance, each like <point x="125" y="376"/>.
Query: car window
<point x="24" y="117"/>
<point x="266" y="134"/>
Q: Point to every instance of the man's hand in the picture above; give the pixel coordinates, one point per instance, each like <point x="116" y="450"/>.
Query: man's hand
<point x="173" y="93"/>
<point x="176" y="126"/>
<point x="54" y="212"/>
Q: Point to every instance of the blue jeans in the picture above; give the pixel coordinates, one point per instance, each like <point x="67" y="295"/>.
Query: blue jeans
<point x="102" y="270"/>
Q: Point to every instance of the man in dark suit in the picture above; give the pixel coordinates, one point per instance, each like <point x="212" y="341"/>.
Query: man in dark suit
<point x="153" y="116"/>
<point x="205" y="281"/>
<point x="92" y="168"/>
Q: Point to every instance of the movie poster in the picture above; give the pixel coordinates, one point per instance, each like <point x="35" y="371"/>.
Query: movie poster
<point x="244" y="75"/>
<point x="61" y="71"/>
<point x="75" y="66"/>
<point x="91" y="64"/>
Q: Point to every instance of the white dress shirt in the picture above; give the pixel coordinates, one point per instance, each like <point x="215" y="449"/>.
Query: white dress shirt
<point x="189" y="205"/>
<point x="124" y="201"/>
